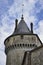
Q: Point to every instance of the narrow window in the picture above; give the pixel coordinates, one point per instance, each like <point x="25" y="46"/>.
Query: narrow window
<point x="33" y="44"/>
<point x="20" y="44"/>
<point x="23" y="45"/>
<point x="28" y="45"/>
<point x="15" y="45"/>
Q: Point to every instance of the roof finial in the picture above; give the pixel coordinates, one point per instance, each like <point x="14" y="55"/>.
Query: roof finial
<point x="22" y="9"/>
<point x="22" y="17"/>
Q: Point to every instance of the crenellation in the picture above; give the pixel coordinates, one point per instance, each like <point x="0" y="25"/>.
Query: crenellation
<point x="26" y="40"/>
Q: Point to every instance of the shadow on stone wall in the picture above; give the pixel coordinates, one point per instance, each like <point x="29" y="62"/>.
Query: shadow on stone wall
<point x="34" y="57"/>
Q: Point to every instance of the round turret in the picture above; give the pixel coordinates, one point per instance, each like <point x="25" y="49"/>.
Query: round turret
<point x="19" y="42"/>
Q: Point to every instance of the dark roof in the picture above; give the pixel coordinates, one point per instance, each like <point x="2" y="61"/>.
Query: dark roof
<point x="22" y="28"/>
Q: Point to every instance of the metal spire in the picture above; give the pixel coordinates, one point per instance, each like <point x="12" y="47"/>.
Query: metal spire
<point x="22" y="17"/>
<point x="22" y="9"/>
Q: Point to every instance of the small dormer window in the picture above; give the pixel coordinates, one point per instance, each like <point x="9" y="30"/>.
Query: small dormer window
<point x="21" y="36"/>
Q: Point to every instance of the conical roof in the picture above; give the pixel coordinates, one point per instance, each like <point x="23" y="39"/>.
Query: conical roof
<point x="22" y="28"/>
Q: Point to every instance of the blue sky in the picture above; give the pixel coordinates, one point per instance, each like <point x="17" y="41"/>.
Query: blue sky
<point x="12" y="9"/>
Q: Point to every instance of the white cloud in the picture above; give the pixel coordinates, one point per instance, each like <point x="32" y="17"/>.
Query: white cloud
<point x="41" y="2"/>
<point x="2" y="58"/>
<point x="39" y="30"/>
<point x="40" y="6"/>
<point x="41" y="27"/>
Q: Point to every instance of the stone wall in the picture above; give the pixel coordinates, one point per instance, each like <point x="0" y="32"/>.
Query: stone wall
<point x="27" y="39"/>
<point x="16" y="47"/>
<point x="27" y="59"/>
<point x="37" y="56"/>
<point x="15" y="57"/>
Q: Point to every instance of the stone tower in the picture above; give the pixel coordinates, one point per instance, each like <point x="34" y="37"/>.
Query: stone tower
<point x="23" y="39"/>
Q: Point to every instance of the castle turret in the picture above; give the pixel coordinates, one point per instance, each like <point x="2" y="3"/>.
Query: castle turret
<point x="23" y="39"/>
